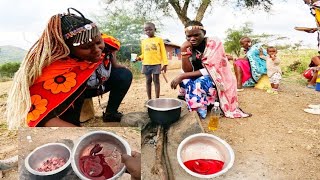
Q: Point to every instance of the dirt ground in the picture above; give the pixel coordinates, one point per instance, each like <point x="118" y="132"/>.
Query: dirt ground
<point x="9" y="148"/>
<point x="279" y="141"/>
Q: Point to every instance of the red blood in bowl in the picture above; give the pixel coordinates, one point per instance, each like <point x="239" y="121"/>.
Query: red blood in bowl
<point x="51" y="164"/>
<point x="204" y="166"/>
<point x="94" y="166"/>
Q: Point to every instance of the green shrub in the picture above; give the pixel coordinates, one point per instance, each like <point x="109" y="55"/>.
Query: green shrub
<point x="294" y="62"/>
<point x="7" y="70"/>
<point x="135" y="68"/>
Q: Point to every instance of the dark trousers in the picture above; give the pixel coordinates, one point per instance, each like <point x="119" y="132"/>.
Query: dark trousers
<point x="118" y="85"/>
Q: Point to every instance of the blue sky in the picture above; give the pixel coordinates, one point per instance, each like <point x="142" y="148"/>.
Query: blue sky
<point x="22" y="21"/>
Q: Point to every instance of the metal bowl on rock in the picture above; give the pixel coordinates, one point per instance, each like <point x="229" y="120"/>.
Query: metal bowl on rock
<point x="42" y="153"/>
<point x="164" y="111"/>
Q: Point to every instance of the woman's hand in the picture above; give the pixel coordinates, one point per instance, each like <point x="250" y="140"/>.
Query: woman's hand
<point x="186" y="53"/>
<point x="138" y="58"/>
<point x="185" y="45"/>
<point x="176" y="81"/>
<point x="230" y="57"/>
<point x="115" y="63"/>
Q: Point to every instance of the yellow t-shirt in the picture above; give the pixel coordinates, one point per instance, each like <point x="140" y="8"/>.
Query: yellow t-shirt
<point x="318" y="77"/>
<point x="153" y="51"/>
<point x="317" y="16"/>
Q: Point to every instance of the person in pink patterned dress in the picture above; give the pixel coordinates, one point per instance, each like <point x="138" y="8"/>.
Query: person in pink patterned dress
<point x="207" y="75"/>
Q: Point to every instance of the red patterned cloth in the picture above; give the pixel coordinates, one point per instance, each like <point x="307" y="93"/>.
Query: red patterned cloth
<point x="218" y="67"/>
<point x="58" y="81"/>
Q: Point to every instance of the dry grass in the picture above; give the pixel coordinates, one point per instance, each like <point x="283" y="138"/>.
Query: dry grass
<point x="299" y="60"/>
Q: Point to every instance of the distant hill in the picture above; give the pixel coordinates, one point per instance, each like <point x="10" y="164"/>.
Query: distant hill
<point x="11" y="54"/>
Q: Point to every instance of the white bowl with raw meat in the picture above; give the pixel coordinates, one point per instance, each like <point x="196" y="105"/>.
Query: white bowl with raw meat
<point x="50" y="160"/>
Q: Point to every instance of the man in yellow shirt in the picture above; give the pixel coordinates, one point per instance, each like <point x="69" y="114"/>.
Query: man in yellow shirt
<point x="153" y="55"/>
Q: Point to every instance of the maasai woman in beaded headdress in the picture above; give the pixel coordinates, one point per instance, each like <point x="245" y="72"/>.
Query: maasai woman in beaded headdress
<point x="52" y="82"/>
<point x="207" y="74"/>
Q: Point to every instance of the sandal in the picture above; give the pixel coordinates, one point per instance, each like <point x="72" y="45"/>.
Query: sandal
<point x="312" y="111"/>
<point x="314" y="106"/>
<point x="311" y="86"/>
<point x="270" y="91"/>
<point x="239" y="90"/>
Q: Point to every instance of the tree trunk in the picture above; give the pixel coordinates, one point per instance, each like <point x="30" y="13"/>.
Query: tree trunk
<point x="182" y="12"/>
<point x="202" y="9"/>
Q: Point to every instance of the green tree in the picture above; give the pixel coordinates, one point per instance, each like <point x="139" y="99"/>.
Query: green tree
<point x="234" y="35"/>
<point x="126" y="27"/>
<point x="296" y="46"/>
<point x="183" y="8"/>
<point x="232" y="41"/>
<point x="8" y="69"/>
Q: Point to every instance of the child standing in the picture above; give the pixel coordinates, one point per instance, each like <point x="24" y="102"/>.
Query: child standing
<point x="273" y="68"/>
<point x="153" y="55"/>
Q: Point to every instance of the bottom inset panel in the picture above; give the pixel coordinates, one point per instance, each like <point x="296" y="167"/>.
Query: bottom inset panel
<point x="78" y="153"/>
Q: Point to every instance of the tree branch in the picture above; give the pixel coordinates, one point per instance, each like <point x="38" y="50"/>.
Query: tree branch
<point x="185" y="7"/>
<point x="202" y="9"/>
<point x="182" y="15"/>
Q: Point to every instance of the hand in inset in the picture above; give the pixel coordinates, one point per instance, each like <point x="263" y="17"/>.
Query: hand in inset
<point x="133" y="164"/>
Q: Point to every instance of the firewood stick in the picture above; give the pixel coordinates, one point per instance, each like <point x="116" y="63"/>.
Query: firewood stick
<point x="166" y="157"/>
<point x="158" y="166"/>
<point x="164" y="77"/>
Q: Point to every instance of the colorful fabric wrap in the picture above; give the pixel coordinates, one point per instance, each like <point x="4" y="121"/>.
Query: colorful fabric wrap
<point x="58" y="81"/>
<point x="112" y="41"/>
<point x="258" y="66"/>
<point x="219" y="69"/>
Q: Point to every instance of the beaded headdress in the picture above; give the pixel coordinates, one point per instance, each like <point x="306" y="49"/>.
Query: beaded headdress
<point x="78" y="29"/>
<point x="193" y="27"/>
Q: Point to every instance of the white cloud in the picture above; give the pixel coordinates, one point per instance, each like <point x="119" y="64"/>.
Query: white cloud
<point x="282" y="19"/>
<point x="23" y="21"/>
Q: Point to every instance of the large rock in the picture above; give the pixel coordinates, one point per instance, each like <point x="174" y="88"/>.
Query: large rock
<point x="135" y="119"/>
<point x="9" y="163"/>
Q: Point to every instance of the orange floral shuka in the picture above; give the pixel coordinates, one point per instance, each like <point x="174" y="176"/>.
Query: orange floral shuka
<point x="61" y="83"/>
<point x="58" y="81"/>
<point x="38" y="107"/>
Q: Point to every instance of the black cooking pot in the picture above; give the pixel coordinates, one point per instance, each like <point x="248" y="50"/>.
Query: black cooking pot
<point x="164" y="111"/>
